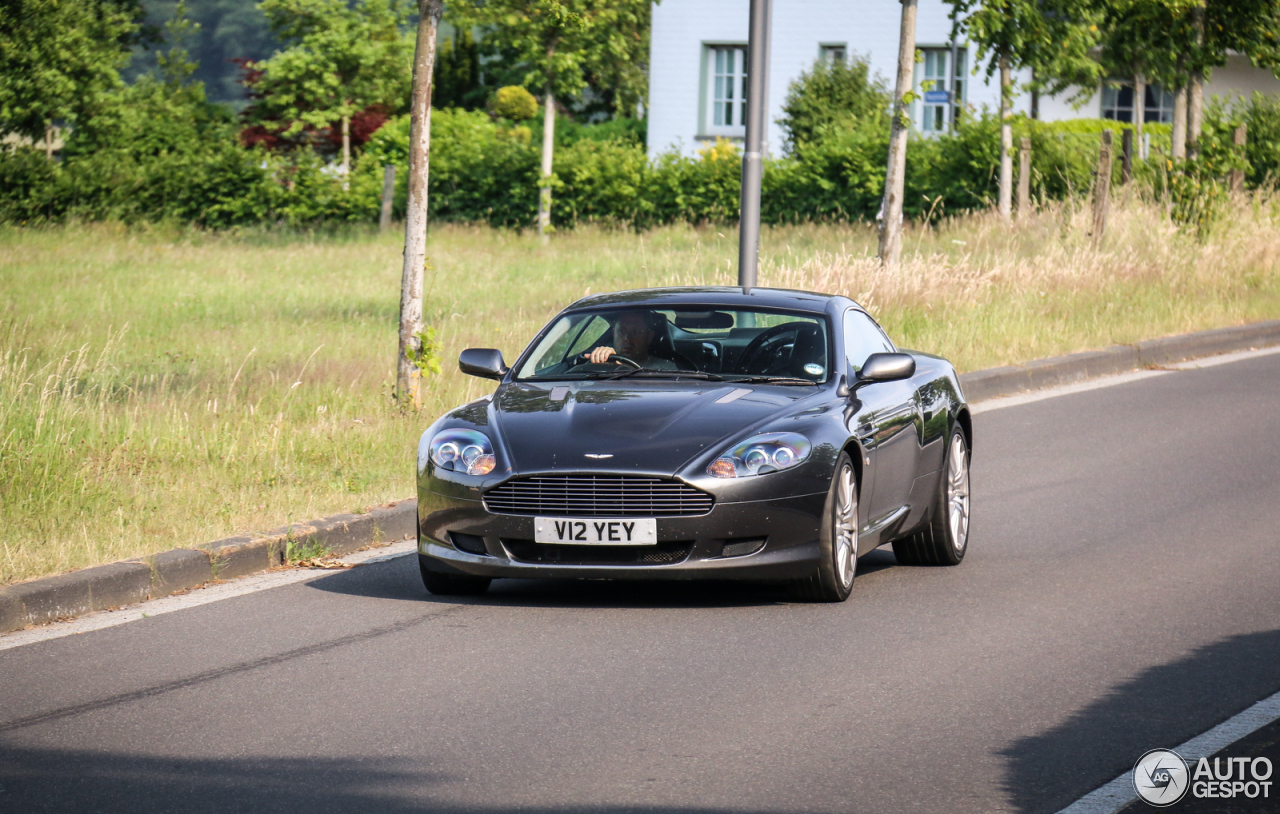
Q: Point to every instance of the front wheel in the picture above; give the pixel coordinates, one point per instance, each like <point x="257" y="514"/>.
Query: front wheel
<point x="946" y="538"/>
<point x="832" y="581"/>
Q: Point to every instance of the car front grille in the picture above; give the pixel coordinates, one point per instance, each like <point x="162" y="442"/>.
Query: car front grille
<point x="550" y="554"/>
<point x="597" y="496"/>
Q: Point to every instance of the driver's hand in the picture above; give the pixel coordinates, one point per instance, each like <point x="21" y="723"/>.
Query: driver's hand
<point x="599" y="356"/>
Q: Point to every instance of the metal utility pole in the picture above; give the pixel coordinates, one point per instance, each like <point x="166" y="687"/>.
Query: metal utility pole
<point x="752" y="158"/>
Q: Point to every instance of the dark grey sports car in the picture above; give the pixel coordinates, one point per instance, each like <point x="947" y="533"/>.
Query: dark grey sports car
<point x="688" y="433"/>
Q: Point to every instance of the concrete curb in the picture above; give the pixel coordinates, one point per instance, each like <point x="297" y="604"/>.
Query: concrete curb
<point x="995" y="382"/>
<point x="169" y="572"/>
<point x="180" y="569"/>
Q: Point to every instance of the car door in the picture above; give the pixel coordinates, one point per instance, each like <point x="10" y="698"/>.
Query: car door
<point x="886" y="424"/>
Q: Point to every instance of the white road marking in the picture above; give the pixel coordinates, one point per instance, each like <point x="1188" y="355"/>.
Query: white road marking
<point x="1223" y="359"/>
<point x="197" y="597"/>
<point x="1121" y="378"/>
<point x="1064" y="390"/>
<point x="1119" y="792"/>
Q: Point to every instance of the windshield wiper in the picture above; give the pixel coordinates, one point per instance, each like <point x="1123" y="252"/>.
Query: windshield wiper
<point x="783" y="380"/>
<point x="678" y="374"/>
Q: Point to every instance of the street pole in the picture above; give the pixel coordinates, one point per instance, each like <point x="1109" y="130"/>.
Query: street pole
<point x="752" y="159"/>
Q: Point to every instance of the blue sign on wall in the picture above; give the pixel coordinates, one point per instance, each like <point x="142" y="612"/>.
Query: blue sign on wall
<point x="937" y="97"/>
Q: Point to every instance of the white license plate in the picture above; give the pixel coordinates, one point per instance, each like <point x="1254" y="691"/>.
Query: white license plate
<point x="595" y="531"/>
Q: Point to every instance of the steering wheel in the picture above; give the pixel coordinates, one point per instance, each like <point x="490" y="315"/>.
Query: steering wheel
<point x="758" y="345"/>
<point x="582" y="359"/>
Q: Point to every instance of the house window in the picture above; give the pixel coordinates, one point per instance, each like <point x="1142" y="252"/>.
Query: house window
<point x="1159" y="105"/>
<point x="946" y="91"/>
<point x="1117" y="103"/>
<point x="726" y="90"/>
<point x="832" y="52"/>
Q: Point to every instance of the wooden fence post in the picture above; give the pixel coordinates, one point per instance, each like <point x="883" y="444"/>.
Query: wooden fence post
<point x="388" y="194"/>
<point x="1101" y="190"/>
<point x="1237" y="176"/>
<point x="1126" y="161"/>
<point x="1024" y="180"/>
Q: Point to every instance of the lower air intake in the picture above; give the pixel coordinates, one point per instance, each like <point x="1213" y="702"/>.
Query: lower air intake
<point x="549" y="554"/>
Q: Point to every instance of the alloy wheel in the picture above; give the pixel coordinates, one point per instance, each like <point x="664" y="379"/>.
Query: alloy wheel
<point x="958" y="492"/>
<point x="846" y="526"/>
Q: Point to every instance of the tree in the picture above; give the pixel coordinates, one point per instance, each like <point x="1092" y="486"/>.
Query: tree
<point x="1054" y="38"/>
<point x="899" y="129"/>
<point x="59" y="61"/>
<point x="557" y="44"/>
<point x="410" y="358"/>
<point x="1179" y="42"/>
<point x="338" y="61"/>
<point x="833" y="96"/>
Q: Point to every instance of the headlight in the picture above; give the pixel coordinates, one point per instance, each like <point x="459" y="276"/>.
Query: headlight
<point x="762" y="454"/>
<point x="463" y="451"/>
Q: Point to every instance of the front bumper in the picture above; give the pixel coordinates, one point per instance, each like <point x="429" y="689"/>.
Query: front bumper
<point x="717" y="545"/>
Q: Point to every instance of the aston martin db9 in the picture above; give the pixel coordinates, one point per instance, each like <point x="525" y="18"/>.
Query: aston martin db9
<point x="698" y="433"/>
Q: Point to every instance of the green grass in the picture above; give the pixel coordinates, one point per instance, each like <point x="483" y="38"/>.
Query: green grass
<point x="163" y="387"/>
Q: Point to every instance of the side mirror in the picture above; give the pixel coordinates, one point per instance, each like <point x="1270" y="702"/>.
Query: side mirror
<point x="886" y="367"/>
<point x="483" y="362"/>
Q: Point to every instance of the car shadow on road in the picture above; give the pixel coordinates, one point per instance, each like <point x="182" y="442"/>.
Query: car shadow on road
<point x="399" y="579"/>
<point x="34" y="779"/>
<point x="1160" y="707"/>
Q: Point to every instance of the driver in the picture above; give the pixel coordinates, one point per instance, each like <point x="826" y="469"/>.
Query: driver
<point x="633" y="331"/>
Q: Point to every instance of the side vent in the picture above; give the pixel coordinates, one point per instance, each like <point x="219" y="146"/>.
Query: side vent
<point x="469" y="543"/>
<point x="742" y="546"/>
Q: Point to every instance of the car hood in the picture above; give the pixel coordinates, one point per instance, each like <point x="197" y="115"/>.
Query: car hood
<point x="649" y="426"/>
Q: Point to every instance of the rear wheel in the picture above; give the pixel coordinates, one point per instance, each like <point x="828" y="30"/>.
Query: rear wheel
<point x="452" y="584"/>
<point x="832" y="581"/>
<point x="946" y="538"/>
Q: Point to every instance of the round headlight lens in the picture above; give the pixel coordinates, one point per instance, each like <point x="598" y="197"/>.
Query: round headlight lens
<point x="447" y="453"/>
<point x="461" y="450"/>
<point x="761" y="454"/>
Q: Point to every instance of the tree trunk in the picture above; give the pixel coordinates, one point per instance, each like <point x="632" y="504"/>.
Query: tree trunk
<point x="346" y="151"/>
<point x="1195" y="89"/>
<point x="48" y="141"/>
<point x="1139" y="109"/>
<point x="1180" y="119"/>
<point x="1195" y="113"/>
<point x="1006" y="141"/>
<point x="408" y="375"/>
<point x="548" y="147"/>
<point x="895" y="175"/>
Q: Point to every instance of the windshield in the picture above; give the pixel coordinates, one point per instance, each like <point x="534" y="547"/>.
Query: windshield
<point x="727" y="344"/>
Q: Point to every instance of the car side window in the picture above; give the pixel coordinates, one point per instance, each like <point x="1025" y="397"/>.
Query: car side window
<point x="863" y="337"/>
<point x="590" y="334"/>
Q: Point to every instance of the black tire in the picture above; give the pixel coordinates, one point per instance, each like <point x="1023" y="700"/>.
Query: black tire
<point x="452" y="584"/>
<point x="937" y="543"/>
<point x="832" y="579"/>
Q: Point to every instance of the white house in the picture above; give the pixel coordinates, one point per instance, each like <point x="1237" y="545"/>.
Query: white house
<point x="697" y="68"/>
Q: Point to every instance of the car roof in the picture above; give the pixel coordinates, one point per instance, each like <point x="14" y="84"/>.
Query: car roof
<point x="716" y="296"/>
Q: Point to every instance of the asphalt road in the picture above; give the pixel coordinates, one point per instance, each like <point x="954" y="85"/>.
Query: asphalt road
<point x="1122" y="593"/>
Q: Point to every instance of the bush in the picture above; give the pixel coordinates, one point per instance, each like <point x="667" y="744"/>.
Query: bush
<point x="514" y="102"/>
<point x="833" y="98"/>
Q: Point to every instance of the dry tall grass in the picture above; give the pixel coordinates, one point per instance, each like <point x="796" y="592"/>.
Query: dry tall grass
<point x="164" y="388"/>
